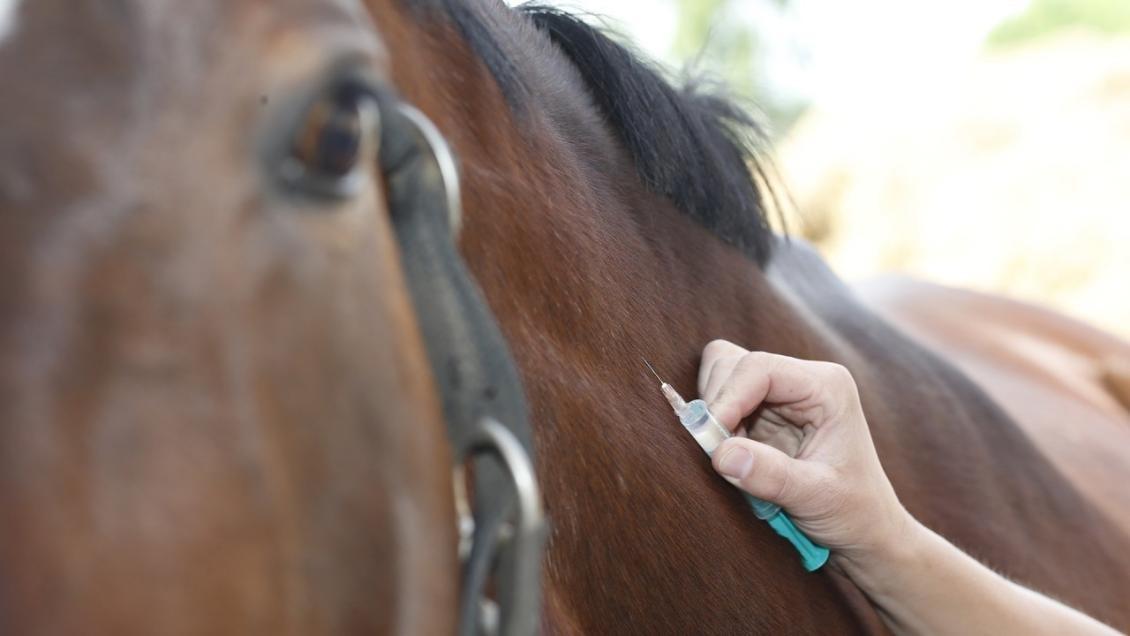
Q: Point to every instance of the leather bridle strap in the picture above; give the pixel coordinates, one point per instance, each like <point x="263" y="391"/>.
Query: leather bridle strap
<point x="482" y="393"/>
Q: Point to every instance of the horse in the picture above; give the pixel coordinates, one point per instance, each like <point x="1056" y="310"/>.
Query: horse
<point x="1064" y="382"/>
<point x="174" y="264"/>
<point x="217" y="414"/>
<point x="612" y="215"/>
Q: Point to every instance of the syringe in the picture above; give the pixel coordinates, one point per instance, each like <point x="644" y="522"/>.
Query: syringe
<point x="709" y="433"/>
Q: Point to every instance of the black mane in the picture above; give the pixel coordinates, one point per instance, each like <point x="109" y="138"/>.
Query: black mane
<point x="695" y="148"/>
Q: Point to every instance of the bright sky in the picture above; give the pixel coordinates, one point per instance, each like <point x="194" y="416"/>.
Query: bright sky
<point x="836" y="51"/>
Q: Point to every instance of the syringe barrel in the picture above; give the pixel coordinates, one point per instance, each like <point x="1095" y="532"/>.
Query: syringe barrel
<point x="700" y="423"/>
<point x="709" y="433"/>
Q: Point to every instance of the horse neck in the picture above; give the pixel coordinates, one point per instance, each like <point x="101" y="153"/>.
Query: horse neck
<point x="586" y="272"/>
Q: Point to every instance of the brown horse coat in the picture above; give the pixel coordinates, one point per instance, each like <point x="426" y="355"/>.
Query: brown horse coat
<point x="1064" y="383"/>
<point x="216" y="416"/>
<point x="214" y="412"/>
<point x="589" y="265"/>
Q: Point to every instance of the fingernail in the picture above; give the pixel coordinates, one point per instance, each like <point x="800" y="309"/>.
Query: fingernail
<point x="736" y="463"/>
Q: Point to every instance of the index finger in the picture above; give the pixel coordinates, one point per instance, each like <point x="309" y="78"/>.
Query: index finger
<point x="795" y="387"/>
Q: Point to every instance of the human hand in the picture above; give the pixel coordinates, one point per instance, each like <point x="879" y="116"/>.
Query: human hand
<point x="805" y="446"/>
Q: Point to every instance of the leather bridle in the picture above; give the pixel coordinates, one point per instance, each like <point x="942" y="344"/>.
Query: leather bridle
<point x="483" y="402"/>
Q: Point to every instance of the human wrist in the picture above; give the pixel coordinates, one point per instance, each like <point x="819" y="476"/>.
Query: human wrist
<point x="877" y="565"/>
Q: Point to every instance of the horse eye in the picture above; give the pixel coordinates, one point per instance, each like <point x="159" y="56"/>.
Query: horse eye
<point x="326" y="151"/>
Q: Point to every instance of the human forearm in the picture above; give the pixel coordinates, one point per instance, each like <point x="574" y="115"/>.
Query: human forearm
<point x="922" y="584"/>
<point x="817" y="460"/>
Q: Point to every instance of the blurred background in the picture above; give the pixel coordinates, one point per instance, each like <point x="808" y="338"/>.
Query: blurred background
<point x="978" y="143"/>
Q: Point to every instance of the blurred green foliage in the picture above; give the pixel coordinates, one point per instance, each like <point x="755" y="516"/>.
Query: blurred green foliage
<point x="710" y="40"/>
<point x="714" y="40"/>
<point x="1045" y="17"/>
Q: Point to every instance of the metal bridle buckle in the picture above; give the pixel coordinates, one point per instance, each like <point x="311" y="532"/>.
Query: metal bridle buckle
<point x="513" y="547"/>
<point x="502" y="527"/>
<point x="445" y="161"/>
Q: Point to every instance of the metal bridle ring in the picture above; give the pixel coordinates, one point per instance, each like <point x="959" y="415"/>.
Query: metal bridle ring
<point x="524" y="542"/>
<point x="445" y="161"/>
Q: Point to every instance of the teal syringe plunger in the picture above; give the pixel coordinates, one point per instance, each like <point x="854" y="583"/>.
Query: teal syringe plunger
<point x="709" y="433"/>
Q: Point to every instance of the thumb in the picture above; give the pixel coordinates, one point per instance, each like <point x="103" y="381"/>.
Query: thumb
<point x="766" y="472"/>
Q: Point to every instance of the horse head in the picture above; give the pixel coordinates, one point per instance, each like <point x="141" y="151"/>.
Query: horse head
<point x="216" y="409"/>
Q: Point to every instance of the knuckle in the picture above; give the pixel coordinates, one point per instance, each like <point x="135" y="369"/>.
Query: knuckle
<point x="837" y="373"/>
<point x="839" y="380"/>
<point x="756" y="360"/>
<point x="715" y="348"/>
